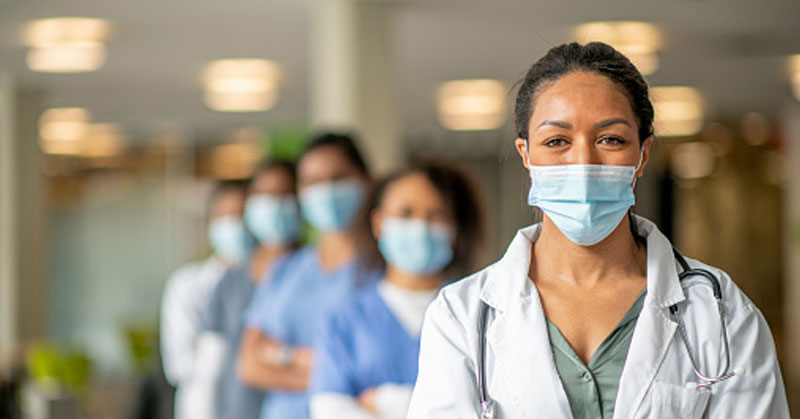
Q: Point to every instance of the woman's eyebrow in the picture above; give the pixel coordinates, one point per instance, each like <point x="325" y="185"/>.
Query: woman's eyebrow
<point x="612" y="121"/>
<point x="559" y="124"/>
<point x="601" y="124"/>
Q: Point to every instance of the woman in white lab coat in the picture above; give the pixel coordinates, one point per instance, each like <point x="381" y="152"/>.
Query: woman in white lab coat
<point x="578" y="319"/>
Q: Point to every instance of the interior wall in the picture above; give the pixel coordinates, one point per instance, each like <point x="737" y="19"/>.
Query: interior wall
<point x="31" y="221"/>
<point x="732" y="219"/>
<point x="8" y="249"/>
<point x="791" y="241"/>
<point x="113" y="248"/>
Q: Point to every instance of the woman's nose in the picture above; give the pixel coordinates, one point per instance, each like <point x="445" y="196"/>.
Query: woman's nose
<point x="582" y="152"/>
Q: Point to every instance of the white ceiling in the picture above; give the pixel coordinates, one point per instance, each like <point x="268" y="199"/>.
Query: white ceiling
<point x="734" y="51"/>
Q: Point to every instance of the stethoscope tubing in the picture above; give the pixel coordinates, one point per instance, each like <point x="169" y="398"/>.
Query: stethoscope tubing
<point x="487" y="405"/>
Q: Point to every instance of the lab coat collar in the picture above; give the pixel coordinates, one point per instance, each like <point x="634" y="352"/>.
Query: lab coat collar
<point x="507" y="282"/>
<point x="663" y="286"/>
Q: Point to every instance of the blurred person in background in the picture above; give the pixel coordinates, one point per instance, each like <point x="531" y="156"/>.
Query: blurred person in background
<point x="272" y="216"/>
<point x="187" y="292"/>
<point x="285" y="312"/>
<point x="592" y="313"/>
<point x="423" y="225"/>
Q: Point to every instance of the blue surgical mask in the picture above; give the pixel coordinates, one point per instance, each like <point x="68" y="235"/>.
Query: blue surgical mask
<point x="273" y="219"/>
<point x="228" y="238"/>
<point x="585" y="201"/>
<point x="415" y="246"/>
<point x="330" y="206"/>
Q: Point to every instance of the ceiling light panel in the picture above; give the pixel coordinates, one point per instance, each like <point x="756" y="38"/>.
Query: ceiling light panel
<point x="66" y="45"/>
<point x="472" y="105"/>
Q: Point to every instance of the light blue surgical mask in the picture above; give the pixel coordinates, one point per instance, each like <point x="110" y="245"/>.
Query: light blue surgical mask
<point x="585" y="201"/>
<point x="415" y="246"/>
<point x="330" y="206"/>
<point x="228" y="238"/>
<point x="273" y="219"/>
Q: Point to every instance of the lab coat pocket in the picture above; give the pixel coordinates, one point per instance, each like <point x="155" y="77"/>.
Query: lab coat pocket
<point x="670" y="401"/>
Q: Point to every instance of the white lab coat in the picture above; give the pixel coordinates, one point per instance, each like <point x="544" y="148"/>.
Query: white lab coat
<point x="183" y="305"/>
<point x="522" y="378"/>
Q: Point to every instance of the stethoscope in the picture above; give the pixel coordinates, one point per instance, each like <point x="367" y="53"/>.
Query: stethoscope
<point x="487" y="405"/>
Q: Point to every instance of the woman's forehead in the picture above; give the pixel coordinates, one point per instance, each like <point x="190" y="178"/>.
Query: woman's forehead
<point x="412" y="185"/>
<point x="582" y="95"/>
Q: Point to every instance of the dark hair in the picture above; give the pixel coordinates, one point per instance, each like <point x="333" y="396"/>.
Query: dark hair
<point x="222" y="187"/>
<point x="595" y="57"/>
<point x="459" y="193"/>
<point x="268" y="165"/>
<point x="344" y="142"/>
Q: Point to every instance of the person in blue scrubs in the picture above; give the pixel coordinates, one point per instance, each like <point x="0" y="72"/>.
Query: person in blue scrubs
<point x="424" y="225"/>
<point x="271" y="215"/>
<point x="285" y="313"/>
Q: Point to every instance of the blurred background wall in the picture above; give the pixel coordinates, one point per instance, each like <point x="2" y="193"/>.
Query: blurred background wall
<point x="93" y="221"/>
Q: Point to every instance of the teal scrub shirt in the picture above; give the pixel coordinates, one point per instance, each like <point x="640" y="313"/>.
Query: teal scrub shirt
<point x="592" y="389"/>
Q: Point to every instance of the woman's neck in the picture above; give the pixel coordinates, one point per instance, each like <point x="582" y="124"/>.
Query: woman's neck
<point x="556" y="257"/>
<point x="335" y="249"/>
<point x="412" y="282"/>
<point x="262" y="258"/>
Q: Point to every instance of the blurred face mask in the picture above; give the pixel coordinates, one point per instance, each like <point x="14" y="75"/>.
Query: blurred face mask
<point x="273" y="219"/>
<point x="330" y="206"/>
<point x="228" y="238"/>
<point x="585" y="201"/>
<point x="415" y="246"/>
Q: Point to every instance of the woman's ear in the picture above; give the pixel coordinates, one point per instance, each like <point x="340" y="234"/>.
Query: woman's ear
<point x="376" y="219"/>
<point x="646" y="144"/>
<point x="522" y="149"/>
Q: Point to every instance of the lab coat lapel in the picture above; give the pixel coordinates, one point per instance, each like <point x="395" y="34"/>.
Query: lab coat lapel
<point x="540" y="389"/>
<point x="654" y="330"/>
<point x="524" y="371"/>
<point x="653" y="334"/>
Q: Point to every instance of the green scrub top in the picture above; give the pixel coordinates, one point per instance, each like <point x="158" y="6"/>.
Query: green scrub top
<point x="592" y="389"/>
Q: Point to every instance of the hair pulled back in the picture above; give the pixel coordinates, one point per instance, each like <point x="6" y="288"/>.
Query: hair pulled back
<point x="464" y="201"/>
<point x="344" y="142"/>
<point x="594" y="57"/>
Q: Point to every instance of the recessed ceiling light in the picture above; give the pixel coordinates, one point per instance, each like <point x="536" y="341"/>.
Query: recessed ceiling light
<point x="794" y="68"/>
<point x="639" y="41"/>
<point x="755" y="128"/>
<point x="103" y="140"/>
<point x="692" y="160"/>
<point x="66" y="45"/>
<point x="472" y="105"/>
<point x="678" y="110"/>
<point x="241" y="85"/>
<point x="234" y="161"/>
<point x="62" y="129"/>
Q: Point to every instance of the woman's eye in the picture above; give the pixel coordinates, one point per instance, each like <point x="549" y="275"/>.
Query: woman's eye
<point x="612" y="140"/>
<point x="555" y="142"/>
<point x="406" y="212"/>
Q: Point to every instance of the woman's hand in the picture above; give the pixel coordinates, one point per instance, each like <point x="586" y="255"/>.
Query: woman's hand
<point x="367" y="400"/>
<point x="257" y="365"/>
<point x="302" y="358"/>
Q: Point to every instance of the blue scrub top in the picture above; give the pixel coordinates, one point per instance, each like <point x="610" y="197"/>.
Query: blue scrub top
<point x="362" y="345"/>
<point x="290" y="306"/>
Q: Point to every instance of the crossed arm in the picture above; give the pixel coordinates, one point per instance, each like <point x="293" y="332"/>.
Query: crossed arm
<point x="268" y="364"/>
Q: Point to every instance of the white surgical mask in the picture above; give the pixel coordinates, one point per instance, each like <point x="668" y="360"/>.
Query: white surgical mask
<point x="330" y="206"/>
<point x="273" y="219"/>
<point x="416" y="246"/>
<point x="585" y="201"/>
<point x="228" y="238"/>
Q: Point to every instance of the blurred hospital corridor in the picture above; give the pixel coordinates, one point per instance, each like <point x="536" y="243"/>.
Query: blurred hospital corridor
<point x="190" y="191"/>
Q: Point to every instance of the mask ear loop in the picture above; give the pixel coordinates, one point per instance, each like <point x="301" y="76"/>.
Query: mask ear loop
<point x="635" y="178"/>
<point x="528" y="157"/>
